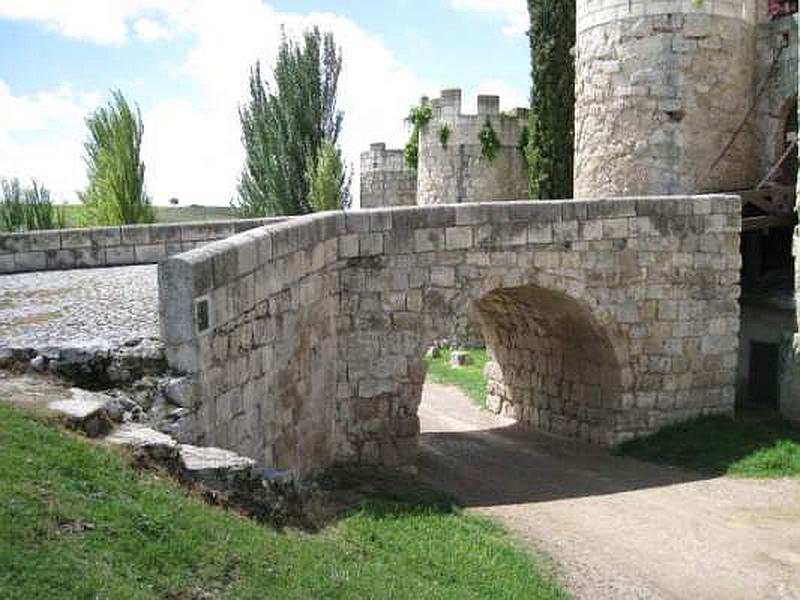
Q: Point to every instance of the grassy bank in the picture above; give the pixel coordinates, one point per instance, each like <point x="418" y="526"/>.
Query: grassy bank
<point x="469" y="378"/>
<point x="757" y="448"/>
<point x="77" y="522"/>
<point x="164" y="214"/>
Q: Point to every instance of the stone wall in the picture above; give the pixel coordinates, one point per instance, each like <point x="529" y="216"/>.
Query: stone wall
<point x="385" y="179"/>
<point x="457" y="172"/>
<point x="254" y="319"/>
<point x="661" y="88"/>
<point x="605" y="320"/>
<point x="111" y="246"/>
<point x="776" y="41"/>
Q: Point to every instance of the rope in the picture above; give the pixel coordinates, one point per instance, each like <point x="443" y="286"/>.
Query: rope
<point x="778" y="164"/>
<point x="772" y="70"/>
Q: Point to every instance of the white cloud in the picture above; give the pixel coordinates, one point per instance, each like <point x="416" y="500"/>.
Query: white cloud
<point x="149" y="30"/>
<point x="515" y="12"/>
<point x="41" y="138"/>
<point x="192" y="146"/>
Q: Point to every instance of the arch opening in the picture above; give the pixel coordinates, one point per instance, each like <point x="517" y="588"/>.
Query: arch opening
<point x="551" y="365"/>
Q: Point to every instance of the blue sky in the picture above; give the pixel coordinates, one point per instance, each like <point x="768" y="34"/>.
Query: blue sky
<point x="185" y="63"/>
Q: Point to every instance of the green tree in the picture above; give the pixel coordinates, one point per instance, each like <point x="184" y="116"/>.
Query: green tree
<point x="28" y="209"/>
<point x="328" y="181"/>
<point x="285" y="126"/>
<point x="551" y="130"/>
<point x="116" y="193"/>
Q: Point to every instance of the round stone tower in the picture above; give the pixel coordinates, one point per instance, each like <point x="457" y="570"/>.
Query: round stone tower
<point x="661" y="90"/>
<point x="452" y="167"/>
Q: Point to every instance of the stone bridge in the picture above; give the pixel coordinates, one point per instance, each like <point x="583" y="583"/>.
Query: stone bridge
<point x="605" y="320"/>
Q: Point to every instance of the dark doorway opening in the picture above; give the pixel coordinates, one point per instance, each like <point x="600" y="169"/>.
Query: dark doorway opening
<point x="763" y="380"/>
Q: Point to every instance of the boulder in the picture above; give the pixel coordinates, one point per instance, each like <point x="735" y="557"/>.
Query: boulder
<point x="459" y="358"/>
<point x="85" y="411"/>
<point x="215" y="468"/>
<point x="140" y="439"/>
<point x="180" y="391"/>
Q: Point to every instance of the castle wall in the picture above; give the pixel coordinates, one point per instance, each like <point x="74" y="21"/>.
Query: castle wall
<point x="457" y="172"/>
<point x="661" y="88"/>
<point x="385" y="179"/>
<point x="776" y="50"/>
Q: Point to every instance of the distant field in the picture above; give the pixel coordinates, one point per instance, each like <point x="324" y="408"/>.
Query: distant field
<point x="165" y="214"/>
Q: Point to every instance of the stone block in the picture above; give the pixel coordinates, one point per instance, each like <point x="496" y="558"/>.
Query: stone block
<point x="76" y="238"/>
<point x="44" y="240"/>
<point x="61" y="259"/>
<point x="120" y="255"/>
<point x="103" y="237"/>
<point x="30" y="261"/>
<point x="136" y="235"/>
<point x="149" y="253"/>
<point x="429" y="240"/>
<point x="168" y="234"/>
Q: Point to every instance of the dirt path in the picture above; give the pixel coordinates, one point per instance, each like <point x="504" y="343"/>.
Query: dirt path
<point x="615" y="527"/>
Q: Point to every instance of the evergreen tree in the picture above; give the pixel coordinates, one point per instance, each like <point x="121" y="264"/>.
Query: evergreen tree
<point x="551" y="142"/>
<point x="116" y="193"/>
<point x="328" y="181"/>
<point x="285" y="126"/>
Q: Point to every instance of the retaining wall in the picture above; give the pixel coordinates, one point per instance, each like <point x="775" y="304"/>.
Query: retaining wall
<point x="111" y="246"/>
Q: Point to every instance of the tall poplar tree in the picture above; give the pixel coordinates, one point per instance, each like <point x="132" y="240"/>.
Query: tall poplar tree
<point x="286" y="123"/>
<point x="116" y="193"/>
<point x="551" y="132"/>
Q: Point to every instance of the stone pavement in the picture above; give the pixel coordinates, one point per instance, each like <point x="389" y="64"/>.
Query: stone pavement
<point x="78" y="307"/>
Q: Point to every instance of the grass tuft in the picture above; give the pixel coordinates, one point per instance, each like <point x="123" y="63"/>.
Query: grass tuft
<point x="763" y="448"/>
<point x="77" y="522"/>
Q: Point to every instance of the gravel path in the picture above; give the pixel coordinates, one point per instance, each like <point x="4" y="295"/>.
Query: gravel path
<point x="615" y="527"/>
<point x="79" y="306"/>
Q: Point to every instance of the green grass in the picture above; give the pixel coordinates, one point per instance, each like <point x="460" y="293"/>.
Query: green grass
<point x="754" y="448"/>
<point x="164" y="214"/>
<point x="77" y="522"/>
<point x="469" y="378"/>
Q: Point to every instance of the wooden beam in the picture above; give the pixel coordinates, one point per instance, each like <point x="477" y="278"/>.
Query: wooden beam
<point x="767" y="222"/>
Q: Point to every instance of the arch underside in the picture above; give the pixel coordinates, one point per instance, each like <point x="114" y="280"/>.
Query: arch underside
<point x="552" y="365"/>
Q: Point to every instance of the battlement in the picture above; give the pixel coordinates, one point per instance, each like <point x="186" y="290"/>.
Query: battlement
<point x="448" y="107"/>
<point x="386" y="180"/>
<point x="379" y="158"/>
<point x="591" y="13"/>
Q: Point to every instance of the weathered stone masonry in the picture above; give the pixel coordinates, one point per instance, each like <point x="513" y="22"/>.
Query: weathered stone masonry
<point x="111" y="246"/>
<point x="606" y="320"/>
<point x="661" y="88"/>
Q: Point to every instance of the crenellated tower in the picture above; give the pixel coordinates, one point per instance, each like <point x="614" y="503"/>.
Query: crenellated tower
<point x="454" y="168"/>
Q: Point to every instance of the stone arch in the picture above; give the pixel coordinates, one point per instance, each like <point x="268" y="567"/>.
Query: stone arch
<point x="554" y="365"/>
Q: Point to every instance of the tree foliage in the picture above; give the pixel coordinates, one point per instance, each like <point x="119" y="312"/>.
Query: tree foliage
<point x="328" y="181"/>
<point x="551" y="130"/>
<point x="418" y="116"/>
<point x="27" y="209"/>
<point x="116" y="193"/>
<point x="286" y="124"/>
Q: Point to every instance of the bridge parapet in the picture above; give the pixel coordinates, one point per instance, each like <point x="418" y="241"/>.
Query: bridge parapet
<point x="605" y="319"/>
<point x="60" y="249"/>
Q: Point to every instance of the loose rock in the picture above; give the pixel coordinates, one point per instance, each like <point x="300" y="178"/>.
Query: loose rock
<point x="85" y="411"/>
<point x="155" y="445"/>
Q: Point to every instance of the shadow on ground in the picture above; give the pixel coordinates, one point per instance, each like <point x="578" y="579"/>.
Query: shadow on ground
<point x="513" y="465"/>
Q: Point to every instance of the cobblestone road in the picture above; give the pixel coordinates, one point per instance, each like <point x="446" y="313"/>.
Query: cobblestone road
<point x="78" y="307"/>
